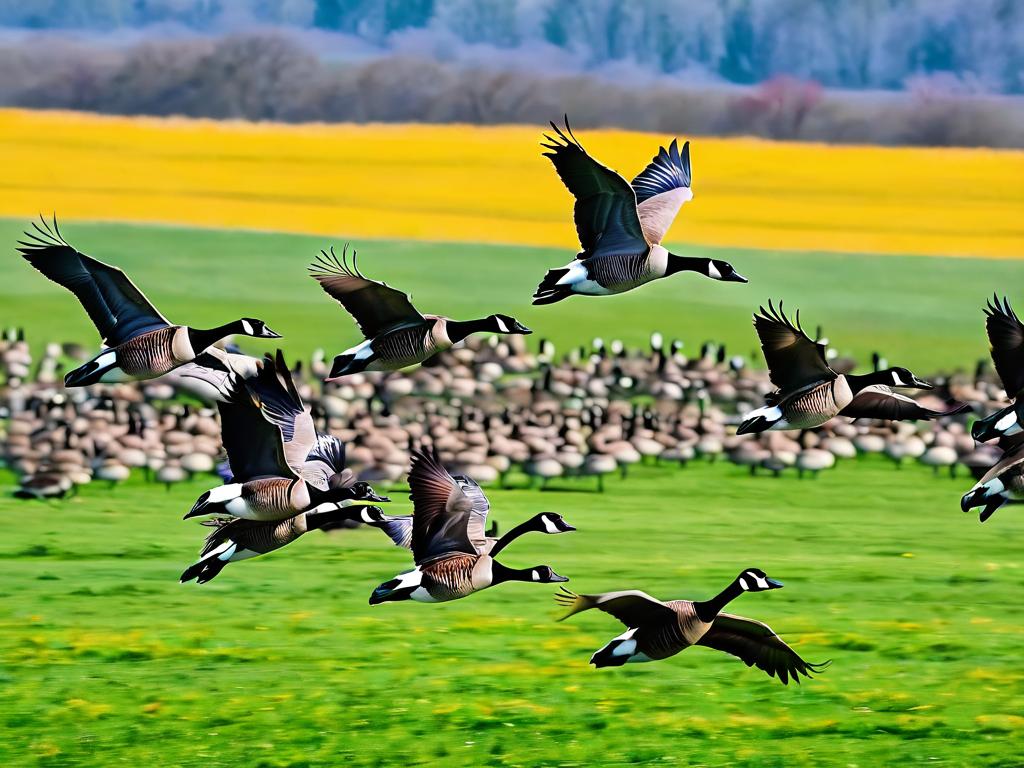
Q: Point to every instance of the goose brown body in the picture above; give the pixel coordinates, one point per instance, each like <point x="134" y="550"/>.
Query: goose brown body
<point x="456" y="576"/>
<point x="661" y="640"/>
<point x="410" y="345"/>
<point x="156" y="352"/>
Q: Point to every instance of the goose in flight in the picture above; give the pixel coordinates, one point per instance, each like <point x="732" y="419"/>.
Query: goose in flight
<point x="280" y="466"/>
<point x="139" y="342"/>
<point x="396" y="334"/>
<point x="810" y="392"/>
<point x="620" y="225"/>
<point x="656" y="630"/>
<point x="449" y="545"/>
<point x="1006" y="339"/>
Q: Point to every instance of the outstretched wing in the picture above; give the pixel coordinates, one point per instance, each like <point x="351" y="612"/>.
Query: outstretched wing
<point x="879" y="402"/>
<point x="273" y="389"/>
<point x="794" y="361"/>
<point x="324" y="460"/>
<point x="399" y="529"/>
<point x="755" y="644"/>
<point x="1006" y="336"/>
<point x="375" y="306"/>
<point x="606" y="216"/>
<point x="116" y="307"/>
<point x="445" y="520"/>
<point x="632" y="607"/>
<point x="253" y="444"/>
<point x="661" y="189"/>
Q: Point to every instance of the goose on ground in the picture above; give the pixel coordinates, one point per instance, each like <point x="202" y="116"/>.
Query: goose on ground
<point x="268" y="452"/>
<point x="1006" y="339"/>
<point x="139" y="342"/>
<point x="233" y="539"/>
<point x="1003" y="483"/>
<point x="657" y="630"/>
<point x="810" y="392"/>
<point x="621" y="225"/>
<point x="396" y="334"/>
<point x="449" y="542"/>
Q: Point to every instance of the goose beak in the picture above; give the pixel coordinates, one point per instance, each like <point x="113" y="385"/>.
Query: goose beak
<point x="269" y="334"/>
<point x="522" y="329"/>
<point x="921" y="383"/>
<point x="735" y="277"/>
<point x="773" y="584"/>
<point x="555" y="578"/>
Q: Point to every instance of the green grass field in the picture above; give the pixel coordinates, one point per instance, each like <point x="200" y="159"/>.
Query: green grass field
<point x="924" y="312"/>
<point x="107" y="660"/>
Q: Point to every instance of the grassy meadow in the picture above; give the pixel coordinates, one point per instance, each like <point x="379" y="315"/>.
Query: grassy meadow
<point x="281" y="662"/>
<point x="105" y="659"/>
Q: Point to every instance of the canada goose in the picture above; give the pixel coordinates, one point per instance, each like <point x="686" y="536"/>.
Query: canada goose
<point x="621" y="226"/>
<point x="396" y="334"/>
<point x="1006" y="339"/>
<point x="269" y="452"/>
<point x="449" y="542"/>
<point x="233" y="539"/>
<point x="657" y="630"/>
<point x="810" y="392"/>
<point x="399" y="527"/>
<point x="1003" y="483"/>
<point x="139" y="342"/>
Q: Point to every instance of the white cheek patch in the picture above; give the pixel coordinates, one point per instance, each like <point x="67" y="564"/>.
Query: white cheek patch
<point x="107" y="358"/>
<point x="743" y="584"/>
<point x="713" y="271"/>
<point x="896" y="380"/>
<point x="549" y="525"/>
<point x="247" y="327"/>
<point x="224" y="493"/>
<point x="501" y="324"/>
<point x="762" y="583"/>
<point x="534" y="576"/>
<point x="1007" y="420"/>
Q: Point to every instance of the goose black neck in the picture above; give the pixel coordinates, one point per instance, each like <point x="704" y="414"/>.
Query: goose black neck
<point x="317" y="520"/>
<point x="686" y="264"/>
<point x="709" y="609"/>
<point x="317" y="496"/>
<point x="201" y="338"/>
<point x="859" y="382"/>
<point x="511" y="535"/>
<point x="501" y="573"/>
<point x="460" y="329"/>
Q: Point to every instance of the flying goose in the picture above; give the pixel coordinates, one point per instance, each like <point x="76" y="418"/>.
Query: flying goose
<point x="139" y="343"/>
<point x="279" y="465"/>
<point x="621" y="226"/>
<point x="810" y="392"/>
<point x="1006" y="338"/>
<point x="399" y="527"/>
<point x="233" y="539"/>
<point x="396" y="334"/>
<point x="1002" y="484"/>
<point x="448" y="544"/>
<point x="657" y="630"/>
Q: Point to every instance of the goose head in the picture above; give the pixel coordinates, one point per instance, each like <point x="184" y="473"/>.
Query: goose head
<point x="1003" y="423"/>
<point x="543" y="574"/>
<point x="756" y="580"/>
<point x="902" y="377"/>
<point x="506" y="324"/>
<point x="250" y="326"/>
<point x="549" y="522"/>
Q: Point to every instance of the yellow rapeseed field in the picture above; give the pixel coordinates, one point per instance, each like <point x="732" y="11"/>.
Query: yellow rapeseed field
<point x="491" y="184"/>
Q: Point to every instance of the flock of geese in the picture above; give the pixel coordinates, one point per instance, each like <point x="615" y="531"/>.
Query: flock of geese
<point x="284" y="477"/>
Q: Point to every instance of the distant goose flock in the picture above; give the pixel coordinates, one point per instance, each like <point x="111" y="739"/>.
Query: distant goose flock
<point x="290" y="453"/>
